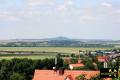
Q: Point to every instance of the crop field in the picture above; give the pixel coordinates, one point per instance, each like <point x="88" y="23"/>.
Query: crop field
<point x="50" y="49"/>
<point x="117" y="46"/>
<point x="29" y="57"/>
<point x="65" y="50"/>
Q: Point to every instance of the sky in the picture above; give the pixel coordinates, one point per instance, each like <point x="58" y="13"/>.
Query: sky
<point x="81" y="19"/>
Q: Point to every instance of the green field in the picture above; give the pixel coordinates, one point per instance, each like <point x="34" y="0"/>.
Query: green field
<point x="65" y="50"/>
<point x="117" y="46"/>
<point x="50" y="49"/>
<point x="29" y="57"/>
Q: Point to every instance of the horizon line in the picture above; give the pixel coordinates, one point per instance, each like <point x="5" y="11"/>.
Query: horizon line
<point x="58" y="37"/>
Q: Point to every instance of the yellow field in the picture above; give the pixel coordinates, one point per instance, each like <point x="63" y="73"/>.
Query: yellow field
<point x="50" y="49"/>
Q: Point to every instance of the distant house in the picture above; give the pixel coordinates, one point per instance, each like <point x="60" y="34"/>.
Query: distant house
<point x="93" y="52"/>
<point x="82" y="53"/>
<point x="113" y="55"/>
<point x="67" y="75"/>
<point x="103" y="58"/>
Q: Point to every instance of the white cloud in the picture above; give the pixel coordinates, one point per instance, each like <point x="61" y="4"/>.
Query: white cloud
<point x="108" y="5"/>
<point x="88" y="19"/>
<point x="9" y="17"/>
<point x="118" y="11"/>
<point x="34" y="7"/>
<point x="62" y="8"/>
<point x="40" y="2"/>
<point x="12" y="18"/>
<point x="68" y="2"/>
<point x="29" y="13"/>
<point x="65" y="6"/>
<point x="6" y="16"/>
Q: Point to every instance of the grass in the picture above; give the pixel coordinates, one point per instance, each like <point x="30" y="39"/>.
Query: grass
<point x="50" y="49"/>
<point x="29" y="57"/>
<point x="117" y="46"/>
<point x="65" y="50"/>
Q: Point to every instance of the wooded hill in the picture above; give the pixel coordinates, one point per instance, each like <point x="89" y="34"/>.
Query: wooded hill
<point x="58" y="42"/>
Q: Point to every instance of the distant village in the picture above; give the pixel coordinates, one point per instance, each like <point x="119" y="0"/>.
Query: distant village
<point x="84" y="65"/>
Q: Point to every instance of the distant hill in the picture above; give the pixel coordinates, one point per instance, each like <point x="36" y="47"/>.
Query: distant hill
<point x="58" y="41"/>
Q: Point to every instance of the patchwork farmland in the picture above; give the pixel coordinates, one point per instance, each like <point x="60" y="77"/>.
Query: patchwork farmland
<point x="40" y="52"/>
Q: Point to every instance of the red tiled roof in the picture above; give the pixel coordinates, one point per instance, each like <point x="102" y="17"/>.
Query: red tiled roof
<point x="108" y="79"/>
<point x="51" y="75"/>
<point x="77" y="65"/>
<point x="102" y="58"/>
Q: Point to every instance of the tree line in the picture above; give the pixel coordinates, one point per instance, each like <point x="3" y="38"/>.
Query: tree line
<point x="23" y="69"/>
<point x="54" y="44"/>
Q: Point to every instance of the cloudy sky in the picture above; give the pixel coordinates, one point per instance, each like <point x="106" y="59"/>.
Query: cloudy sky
<point x="83" y="19"/>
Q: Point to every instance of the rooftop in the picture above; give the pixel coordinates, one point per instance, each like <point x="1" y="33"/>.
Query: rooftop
<point x="51" y="75"/>
<point x="77" y="65"/>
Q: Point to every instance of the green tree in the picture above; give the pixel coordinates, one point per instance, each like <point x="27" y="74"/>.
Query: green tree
<point x="24" y="68"/>
<point x="74" y="60"/>
<point x="89" y="66"/>
<point x="116" y="78"/>
<point x="72" y="55"/>
<point x="66" y="65"/>
<point x="99" y="65"/>
<point x="5" y="70"/>
<point x="96" y="77"/>
<point x="17" y="76"/>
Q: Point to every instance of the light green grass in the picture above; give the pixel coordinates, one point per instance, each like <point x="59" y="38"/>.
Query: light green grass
<point x="67" y="50"/>
<point x="50" y="49"/>
<point x="117" y="46"/>
<point x="29" y="57"/>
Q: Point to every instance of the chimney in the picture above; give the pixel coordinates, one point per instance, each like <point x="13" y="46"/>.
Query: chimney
<point x="79" y="61"/>
<point x="61" y="71"/>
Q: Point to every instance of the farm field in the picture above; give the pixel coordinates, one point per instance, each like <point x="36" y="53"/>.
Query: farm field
<point x="65" y="50"/>
<point x="50" y="49"/>
<point x="29" y="57"/>
<point x="117" y="46"/>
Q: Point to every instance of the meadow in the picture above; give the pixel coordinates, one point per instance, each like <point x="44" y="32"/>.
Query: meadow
<point x="34" y="57"/>
<point x="50" y="51"/>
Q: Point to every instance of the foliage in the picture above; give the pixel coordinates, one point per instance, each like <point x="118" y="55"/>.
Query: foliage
<point x="72" y="55"/>
<point x="116" y="78"/>
<point x="23" y="69"/>
<point x="81" y="77"/>
<point x="94" y="59"/>
<point x="17" y="76"/>
<point x="96" y="77"/>
<point x="79" y="68"/>
<point x="99" y="65"/>
<point x="88" y="64"/>
<point x="74" y="60"/>
<point x="66" y="65"/>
